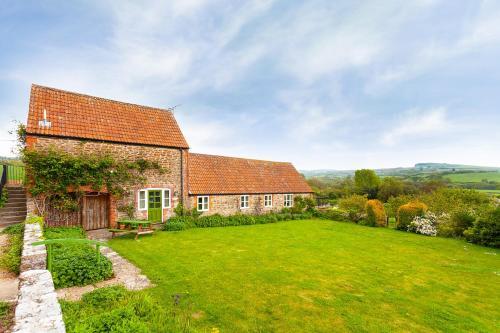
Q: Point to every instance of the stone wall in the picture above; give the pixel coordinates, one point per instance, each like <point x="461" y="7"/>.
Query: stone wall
<point x="168" y="158"/>
<point x="230" y="204"/>
<point x="37" y="307"/>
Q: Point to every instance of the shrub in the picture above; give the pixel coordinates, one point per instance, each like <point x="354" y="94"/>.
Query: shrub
<point x="354" y="205"/>
<point x="76" y="264"/>
<point x="408" y="212"/>
<point x="486" y="229"/>
<point x="177" y="223"/>
<point x="332" y="214"/>
<point x="425" y="225"/>
<point x="393" y="204"/>
<point x="31" y="219"/>
<point x="11" y="259"/>
<point x="301" y="204"/>
<point x="450" y="200"/>
<point x="455" y="224"/>
<point x="375" y="214"/>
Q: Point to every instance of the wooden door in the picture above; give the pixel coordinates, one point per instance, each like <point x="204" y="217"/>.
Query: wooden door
<point x="154" y="206"/>
<point x="95" y="212"/>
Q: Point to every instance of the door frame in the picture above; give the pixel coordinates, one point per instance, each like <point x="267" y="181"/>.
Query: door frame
<point x="162" y="190"/>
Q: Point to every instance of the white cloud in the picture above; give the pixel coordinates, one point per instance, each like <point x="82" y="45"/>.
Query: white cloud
<point x="417" y="123"/>
<point x="482" y="32"/>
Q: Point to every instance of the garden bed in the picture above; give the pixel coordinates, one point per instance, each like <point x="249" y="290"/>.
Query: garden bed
<point x="76" y="264"/>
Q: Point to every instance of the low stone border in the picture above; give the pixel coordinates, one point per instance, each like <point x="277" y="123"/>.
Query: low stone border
<point x="37" y="308"/>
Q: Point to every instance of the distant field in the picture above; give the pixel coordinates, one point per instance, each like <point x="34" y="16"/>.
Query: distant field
<point x="490" y="191"/>
<point x="474" y="177"/>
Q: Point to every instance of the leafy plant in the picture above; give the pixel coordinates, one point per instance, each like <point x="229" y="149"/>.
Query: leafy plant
<point x="408" y="212"/>
<point x="354" y="205"/>
<point x="486" y="229"/>
<point x="57" y="177"/>
<point x="4" y="196"/>
<point x="11" y="258"/>
<point x="455" y="224"/>
<point x="76" y="264"/>
<point x="375" y="214"/>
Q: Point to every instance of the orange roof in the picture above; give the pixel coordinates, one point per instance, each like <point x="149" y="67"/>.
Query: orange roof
<point x="210" y="174"/>
<point x="87" y="117"/>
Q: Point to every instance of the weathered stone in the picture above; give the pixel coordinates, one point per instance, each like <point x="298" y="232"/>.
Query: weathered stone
<point x="230" y="204"/>
<point x="37" y="307"/>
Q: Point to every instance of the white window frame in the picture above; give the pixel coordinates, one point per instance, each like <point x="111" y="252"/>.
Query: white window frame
<point x="244" y="199"/>
<point x="163" y="197"/>
<point x="144" y="201"/>
<point x="288" y="200"/>
<point x="266" y="196"/>
<point x="203" y="203"/>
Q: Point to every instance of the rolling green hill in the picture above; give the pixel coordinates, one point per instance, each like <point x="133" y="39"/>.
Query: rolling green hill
<point x="474" y="177"/>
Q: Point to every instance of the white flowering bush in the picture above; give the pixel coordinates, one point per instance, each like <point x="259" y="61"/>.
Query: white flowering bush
<point x="425" y="225"/>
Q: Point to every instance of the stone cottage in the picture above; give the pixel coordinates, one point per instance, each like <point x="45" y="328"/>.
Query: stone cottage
<point x="78" y="123"/>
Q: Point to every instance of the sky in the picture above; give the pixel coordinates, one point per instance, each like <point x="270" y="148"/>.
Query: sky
<point x="323" y="84"/>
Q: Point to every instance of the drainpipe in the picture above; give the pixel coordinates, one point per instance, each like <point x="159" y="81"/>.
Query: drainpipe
<point x="182" y="177"/>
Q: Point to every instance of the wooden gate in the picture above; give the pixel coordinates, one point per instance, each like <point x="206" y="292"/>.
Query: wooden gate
<point x="95" y="212"/>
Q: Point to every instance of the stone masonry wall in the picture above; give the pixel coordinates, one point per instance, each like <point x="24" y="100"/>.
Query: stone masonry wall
<point x="37" y="307"/>
<point x="230" y="204"/>
<point x="167" y="158"/>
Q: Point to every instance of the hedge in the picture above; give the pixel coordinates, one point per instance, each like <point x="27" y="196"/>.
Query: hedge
<point x="375" y="214"/>
<point x="407" y="212"/>
<point x="178" y="223"/>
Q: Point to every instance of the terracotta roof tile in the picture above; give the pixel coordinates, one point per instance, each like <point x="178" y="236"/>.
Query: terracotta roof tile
<point x="210" y="174"/>
<point x="87" y="117"/>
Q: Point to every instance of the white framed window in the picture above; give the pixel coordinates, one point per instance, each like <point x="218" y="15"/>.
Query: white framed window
<point x="244" y="201"/>
<point x="288" y="200"/>
<point x="142" y="200"/>
<point x="268" y="200"/>
<point x="203" y="203"/>
<point x="166" y="198"/>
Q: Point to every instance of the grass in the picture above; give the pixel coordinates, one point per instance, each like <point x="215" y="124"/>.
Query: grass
<point x="474" y="177"/>
<point x="309" y="276"/>
<point x="6" y="314"/>
<point x="10" y="257"/>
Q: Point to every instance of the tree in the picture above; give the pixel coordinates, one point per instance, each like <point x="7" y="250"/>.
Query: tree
<point x="366" y="182"/>
<point x="354" y="205"/>
<point x="390" y="187"/>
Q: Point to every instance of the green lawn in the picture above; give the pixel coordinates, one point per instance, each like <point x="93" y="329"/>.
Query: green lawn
<point x="473" y="177"/>
<point x="320" y="276"/>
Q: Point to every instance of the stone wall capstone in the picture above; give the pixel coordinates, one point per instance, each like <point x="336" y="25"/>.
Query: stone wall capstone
<point x="37" y="307"/>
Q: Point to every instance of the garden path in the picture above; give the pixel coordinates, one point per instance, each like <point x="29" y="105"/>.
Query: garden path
<point x="125" y="273"/>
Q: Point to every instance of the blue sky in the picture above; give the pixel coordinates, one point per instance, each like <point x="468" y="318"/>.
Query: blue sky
<point x="323" y="84"/>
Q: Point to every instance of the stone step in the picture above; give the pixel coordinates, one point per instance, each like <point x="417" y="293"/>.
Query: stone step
<point x="12" y="219"/>
<point x="15" y="203"/>
<point x="16" y="194"/>
<point x="13" y="214"/>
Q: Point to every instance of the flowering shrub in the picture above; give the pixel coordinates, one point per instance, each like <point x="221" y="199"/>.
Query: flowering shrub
<point x="408" y="212"/>
<point x="425" y="225"/>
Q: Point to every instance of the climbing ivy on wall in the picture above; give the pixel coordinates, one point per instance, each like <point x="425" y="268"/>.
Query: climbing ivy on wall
<point x="57" y="177"/>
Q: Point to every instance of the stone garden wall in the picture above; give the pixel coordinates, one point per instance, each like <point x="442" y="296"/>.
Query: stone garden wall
<point x="37" y="307"/>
